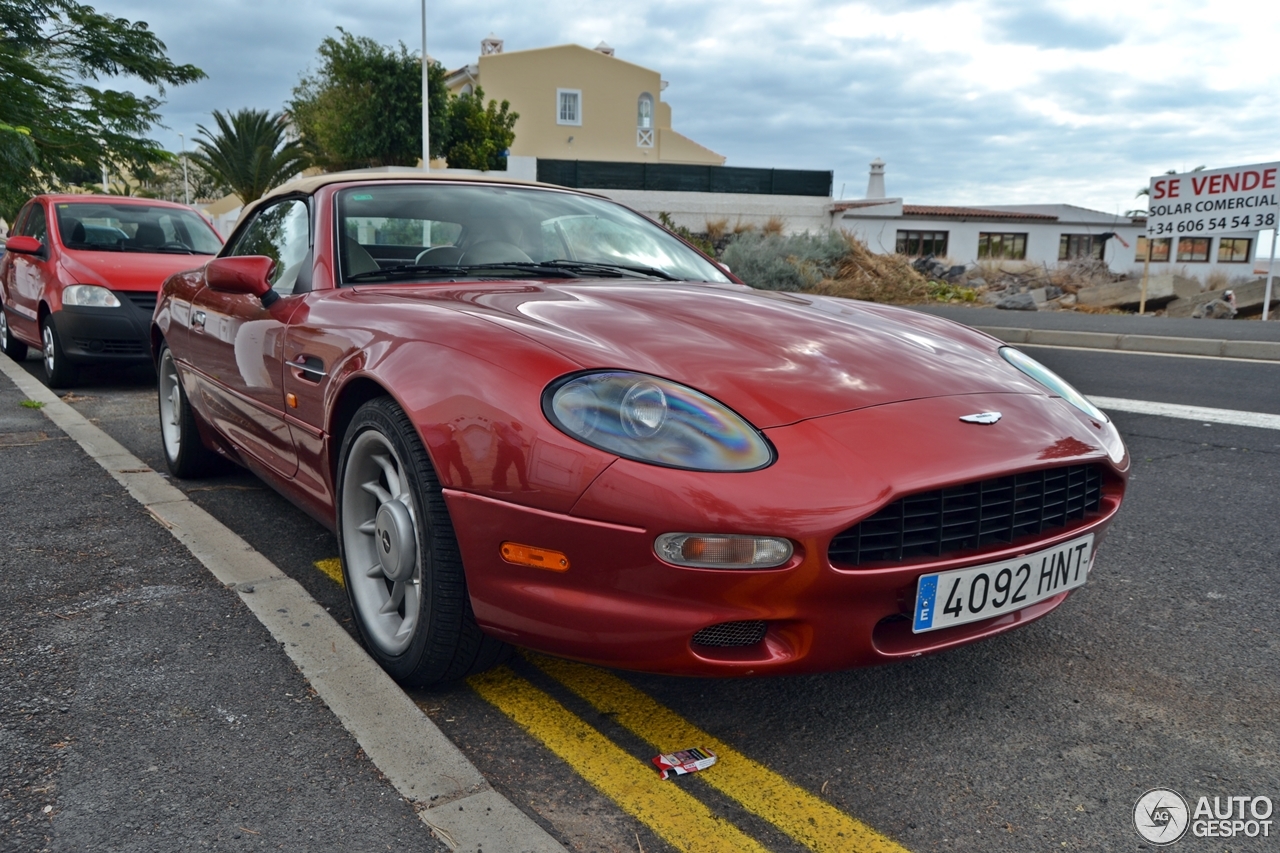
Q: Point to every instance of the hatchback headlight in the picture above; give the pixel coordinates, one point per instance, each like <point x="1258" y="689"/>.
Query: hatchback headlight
<point x="1055" y="383"/>
<point x="654" y="420"/>
<point x="89" y="296"/>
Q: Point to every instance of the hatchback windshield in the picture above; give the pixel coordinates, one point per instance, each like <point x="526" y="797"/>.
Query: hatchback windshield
<point x="424" y="230"/>
<point x="155" y="229"/>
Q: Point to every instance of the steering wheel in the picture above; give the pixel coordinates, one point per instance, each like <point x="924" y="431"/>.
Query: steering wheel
<point x="174" y="244"/>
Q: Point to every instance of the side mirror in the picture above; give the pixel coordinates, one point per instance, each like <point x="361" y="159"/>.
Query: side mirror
<point x="249" y="274"/>
<point x="24" y="245"/>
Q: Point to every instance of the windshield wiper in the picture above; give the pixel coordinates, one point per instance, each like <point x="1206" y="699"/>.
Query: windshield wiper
<point x="558" y="268"/>
<point x="605" y="267"/>
<point x="410" y="270"/>
<point x="96" y="247"/>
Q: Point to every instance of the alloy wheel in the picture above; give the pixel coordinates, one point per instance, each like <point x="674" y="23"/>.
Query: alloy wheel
<point x="382" y="542"/>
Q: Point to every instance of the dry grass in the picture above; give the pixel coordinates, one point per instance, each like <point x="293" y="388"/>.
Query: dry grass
<point x="717" y="229"/>
<point x="862" y="274"/>
<point x="773" y="225"/>
<point x="1216" y="280"/>
<point x="740" y="227"/>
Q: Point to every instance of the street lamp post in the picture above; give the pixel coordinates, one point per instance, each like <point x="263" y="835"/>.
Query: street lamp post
<point x="426" y="109"/>
<point x="186" y="187"/>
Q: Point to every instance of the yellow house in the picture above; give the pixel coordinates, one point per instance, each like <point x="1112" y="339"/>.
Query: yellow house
<point x="580" y="104"/>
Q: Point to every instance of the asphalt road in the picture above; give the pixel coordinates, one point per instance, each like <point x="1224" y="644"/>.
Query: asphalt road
<point x="1161" y="671"/>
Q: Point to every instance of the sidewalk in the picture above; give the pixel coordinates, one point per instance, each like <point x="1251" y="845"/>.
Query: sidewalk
<point x="143" y="707"/>
<point x="1248" y="339"/>
<point x="147" y="705"/>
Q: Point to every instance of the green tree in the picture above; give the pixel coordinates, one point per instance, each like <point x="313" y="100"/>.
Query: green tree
<point x="55" y="122"/>
<point x="250" y="153"/>
<point x="363" y="107"/>
<point x="479" y="135"/>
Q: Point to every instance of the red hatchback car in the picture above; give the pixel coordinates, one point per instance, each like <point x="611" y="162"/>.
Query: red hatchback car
<point x="535" y="417"/>
<point x="79" y="277"/>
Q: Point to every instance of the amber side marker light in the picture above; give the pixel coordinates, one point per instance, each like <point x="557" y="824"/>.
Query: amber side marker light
<point x="538" y="558"/>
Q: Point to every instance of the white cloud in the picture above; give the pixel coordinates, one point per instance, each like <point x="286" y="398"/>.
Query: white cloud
<point x="973" y="101"/>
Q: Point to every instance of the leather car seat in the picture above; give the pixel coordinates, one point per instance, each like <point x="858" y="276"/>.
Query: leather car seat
<point x="357" y="259"/>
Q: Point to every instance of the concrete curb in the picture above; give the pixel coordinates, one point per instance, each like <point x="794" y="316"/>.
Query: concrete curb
<point x="1249" y="350"/>
<point x="450" y="795"/>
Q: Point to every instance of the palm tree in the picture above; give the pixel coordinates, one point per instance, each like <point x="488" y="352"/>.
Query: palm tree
<point x="250" y="154"/>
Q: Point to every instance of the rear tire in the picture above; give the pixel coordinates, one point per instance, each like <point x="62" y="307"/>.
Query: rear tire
<point x="400" y="559"/>
<point x="10" y="345"/>
<point x="184" y="451"/>
<point x="58" y="372"/>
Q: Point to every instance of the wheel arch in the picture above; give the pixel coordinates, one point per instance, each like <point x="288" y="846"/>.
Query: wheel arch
<point x="353" y="395"/>
<point x="157" y="340"/>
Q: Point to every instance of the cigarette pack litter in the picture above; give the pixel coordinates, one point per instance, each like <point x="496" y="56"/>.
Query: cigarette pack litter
<point x="683" y="762"/>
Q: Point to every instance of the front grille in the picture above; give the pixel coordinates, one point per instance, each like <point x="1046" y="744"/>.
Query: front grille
<point x="110" y="346"/>
<point x="730" y="634"/>
<point x="964" y="518"/>
<point x="144" y="300"/>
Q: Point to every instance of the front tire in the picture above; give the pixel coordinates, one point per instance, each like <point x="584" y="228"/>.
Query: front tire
<point x="184" y="452"/>
<point x="10" y="345"/>
<point x="400" y="559"/>
<point x="58" y="372"/>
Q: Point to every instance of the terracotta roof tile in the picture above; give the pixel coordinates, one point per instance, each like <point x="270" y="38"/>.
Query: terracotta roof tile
<point x="942" y="212"/>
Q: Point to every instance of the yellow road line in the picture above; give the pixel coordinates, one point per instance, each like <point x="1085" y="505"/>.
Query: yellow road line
<point x="678" y="817"/>
<point x="808" y="819"/>
<point x="333" y="568"/>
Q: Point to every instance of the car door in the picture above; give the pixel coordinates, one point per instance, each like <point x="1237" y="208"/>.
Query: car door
<point x="236" y="345"/>
<point x="28" y="276"/>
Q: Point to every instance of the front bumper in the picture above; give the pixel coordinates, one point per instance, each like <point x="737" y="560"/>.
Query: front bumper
<point x="618" y="605"/>
<point x="107" y="335"/>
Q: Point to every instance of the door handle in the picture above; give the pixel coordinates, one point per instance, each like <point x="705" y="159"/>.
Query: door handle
<point x="309" y="368"/>
<point x="197" y="319"/>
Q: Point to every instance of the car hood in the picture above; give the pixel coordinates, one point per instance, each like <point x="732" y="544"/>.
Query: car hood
<point x="127" y="270"/>
<point x="775" y="358"/>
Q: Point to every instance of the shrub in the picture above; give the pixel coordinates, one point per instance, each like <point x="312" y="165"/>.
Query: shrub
<point x="771" y="261"/>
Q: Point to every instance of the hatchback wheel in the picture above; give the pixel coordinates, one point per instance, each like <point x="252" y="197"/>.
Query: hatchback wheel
<point x="58" y="372"/>
<point x="400" y="559"/>
<point x="10" y="345"/>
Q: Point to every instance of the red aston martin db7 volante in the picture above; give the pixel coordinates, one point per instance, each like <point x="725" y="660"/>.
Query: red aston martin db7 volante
<point x="535" y="417"/>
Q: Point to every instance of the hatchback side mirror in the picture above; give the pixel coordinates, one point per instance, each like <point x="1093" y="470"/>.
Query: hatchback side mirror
<point x="249" y="274"/>
<point x="24" y="245"/>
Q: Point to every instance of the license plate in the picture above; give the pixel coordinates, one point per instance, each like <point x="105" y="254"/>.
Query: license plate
<point x="967" y="595"/>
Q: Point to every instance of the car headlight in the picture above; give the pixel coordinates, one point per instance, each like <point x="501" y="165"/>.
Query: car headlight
<point x="1055" y="383"/>
<point x="653" y="420"/>
<point x="89" y="296"/>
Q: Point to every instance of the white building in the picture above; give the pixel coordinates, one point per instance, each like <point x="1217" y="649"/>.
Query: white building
<point x="1034" y="233"/>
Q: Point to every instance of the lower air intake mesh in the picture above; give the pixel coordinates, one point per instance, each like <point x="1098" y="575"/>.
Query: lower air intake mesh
<point x="730" y="634"/>
<point x="963" y="518"/>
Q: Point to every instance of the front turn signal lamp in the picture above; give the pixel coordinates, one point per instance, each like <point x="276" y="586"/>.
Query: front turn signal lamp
<point x="723" y="551"/>
<point x="538" y="558"/>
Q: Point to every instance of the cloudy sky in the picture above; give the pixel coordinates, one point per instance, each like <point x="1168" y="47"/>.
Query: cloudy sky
<point x="969" y="102"/>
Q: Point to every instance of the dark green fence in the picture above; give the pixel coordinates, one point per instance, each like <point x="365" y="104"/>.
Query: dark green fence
<point x="601" y="175"/>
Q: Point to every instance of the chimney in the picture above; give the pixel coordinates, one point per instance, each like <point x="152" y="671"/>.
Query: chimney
<point x="491" y="45"/>
<point x="875" y="184"/>
<point x="603" y="48"/>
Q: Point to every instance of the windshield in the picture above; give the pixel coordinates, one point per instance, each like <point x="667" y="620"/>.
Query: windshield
<point x="152" y="229"/>
<point x="422" y="231"/>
